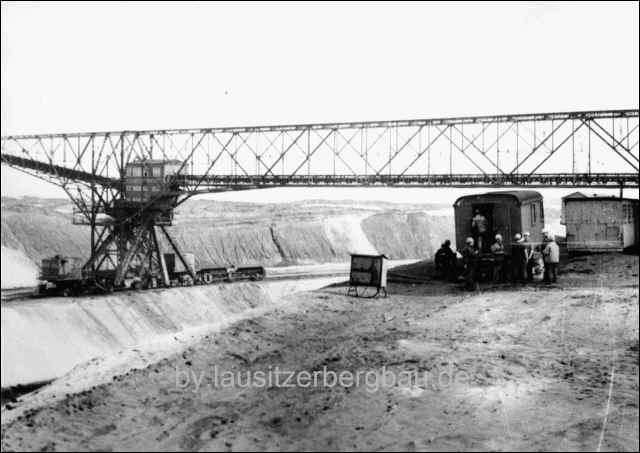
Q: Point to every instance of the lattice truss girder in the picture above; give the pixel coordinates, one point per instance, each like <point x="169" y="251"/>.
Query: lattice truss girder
<point x="499" y="146"/>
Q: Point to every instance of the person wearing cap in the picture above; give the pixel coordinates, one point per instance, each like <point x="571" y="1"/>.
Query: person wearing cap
<point x="551" y="253"/>
<point x="470" y="261"/>
<point x="480" y="228"/>
<point x="519" y="259"/>
<point x="498" y="254"/>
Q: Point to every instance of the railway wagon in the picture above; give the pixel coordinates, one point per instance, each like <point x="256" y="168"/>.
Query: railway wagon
<point x="600" y="223"/>
<point x="179" y="276"/>
<point x="210" y="275"/>
<point x="60" y="275"/>
<point x="506" y="213"/>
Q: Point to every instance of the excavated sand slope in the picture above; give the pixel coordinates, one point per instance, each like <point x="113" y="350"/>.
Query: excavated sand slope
<point x="44" y="339"/>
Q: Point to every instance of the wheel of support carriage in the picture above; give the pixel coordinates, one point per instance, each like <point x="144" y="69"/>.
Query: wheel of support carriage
<point x="208" y="278"/>
<point x="108" y="287"/>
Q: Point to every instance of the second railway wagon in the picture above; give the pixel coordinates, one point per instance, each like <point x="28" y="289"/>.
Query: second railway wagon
<point x="600" y="223"/>
<point x="506" y="213"/>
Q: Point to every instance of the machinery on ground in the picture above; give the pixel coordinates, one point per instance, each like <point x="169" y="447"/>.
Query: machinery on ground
<point x="63" y="276"/>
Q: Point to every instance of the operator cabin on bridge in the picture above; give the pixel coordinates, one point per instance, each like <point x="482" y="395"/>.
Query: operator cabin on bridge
<point x="151" y="181"/>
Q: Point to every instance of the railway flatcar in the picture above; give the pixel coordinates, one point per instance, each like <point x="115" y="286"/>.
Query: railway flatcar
<point x="252" y="273"/>
<point x="504" y="212"/>
<point x="210" y="275"/>
<point x="180" y="276"/>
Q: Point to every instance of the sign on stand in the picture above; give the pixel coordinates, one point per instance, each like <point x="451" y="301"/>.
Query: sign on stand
<point x="367" y="272"/>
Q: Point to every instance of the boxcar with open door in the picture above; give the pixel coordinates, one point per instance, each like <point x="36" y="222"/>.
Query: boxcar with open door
<point x="506" y="213"/>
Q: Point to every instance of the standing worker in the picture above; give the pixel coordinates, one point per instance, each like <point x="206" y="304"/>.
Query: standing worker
<point x="498" y="254"/>
<point x="470" y="260"/>
<point x="528" y="252"/>
<point x="480" y="227"/>
<point x="445" y="261"/>
<point x="551" y="253"/>
<point x="519" y="259"/>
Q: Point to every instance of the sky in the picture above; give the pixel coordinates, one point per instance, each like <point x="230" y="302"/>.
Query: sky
<point x="70" y="67"/>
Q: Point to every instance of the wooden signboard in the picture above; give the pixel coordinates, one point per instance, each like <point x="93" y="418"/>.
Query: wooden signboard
<point x="368" y="271"/>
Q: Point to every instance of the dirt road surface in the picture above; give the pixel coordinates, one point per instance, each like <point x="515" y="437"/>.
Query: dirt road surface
<point x="510" y="368"/>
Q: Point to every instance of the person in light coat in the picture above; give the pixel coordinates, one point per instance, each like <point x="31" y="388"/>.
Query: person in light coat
<point x="528" y="251"/>
<point x="480" y="228"/>
<point x="551" y="253"/>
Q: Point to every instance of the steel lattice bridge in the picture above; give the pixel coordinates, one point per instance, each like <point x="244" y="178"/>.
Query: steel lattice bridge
<point x="596" y="149"/>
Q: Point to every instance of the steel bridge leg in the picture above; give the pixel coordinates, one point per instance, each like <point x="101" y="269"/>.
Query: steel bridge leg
<point x="123" y="264"/>
<point x="99" y="252"/>
<point x="163" y="264"/>
<point x="177" y="250"/>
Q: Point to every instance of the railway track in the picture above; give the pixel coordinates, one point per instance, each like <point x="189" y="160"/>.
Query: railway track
<point x="9" y="294"/>
<point x="13" y="294"/>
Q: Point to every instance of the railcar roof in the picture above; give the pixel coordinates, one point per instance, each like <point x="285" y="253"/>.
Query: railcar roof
<point x="602" y="198"/>
<point x="520" y="195"/>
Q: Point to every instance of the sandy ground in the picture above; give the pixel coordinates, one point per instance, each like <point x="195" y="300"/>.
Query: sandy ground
<point x="509" y="368"/>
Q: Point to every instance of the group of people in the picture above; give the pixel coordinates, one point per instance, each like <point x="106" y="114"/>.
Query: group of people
<point x="528" y="261"/>
<point x="534" y="261"/>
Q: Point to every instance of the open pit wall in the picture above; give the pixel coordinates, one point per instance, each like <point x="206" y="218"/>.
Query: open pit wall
<point x="46" y="338"/>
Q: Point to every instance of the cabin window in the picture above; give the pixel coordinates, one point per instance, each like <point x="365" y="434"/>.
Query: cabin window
<point x="157" y="172"/>
<point x="627" y="213"/>
<point x="171" y="169"/>
<point x="624" y="213"/>
<point x="612" y="232"/>
<point x="534" y="220"/>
